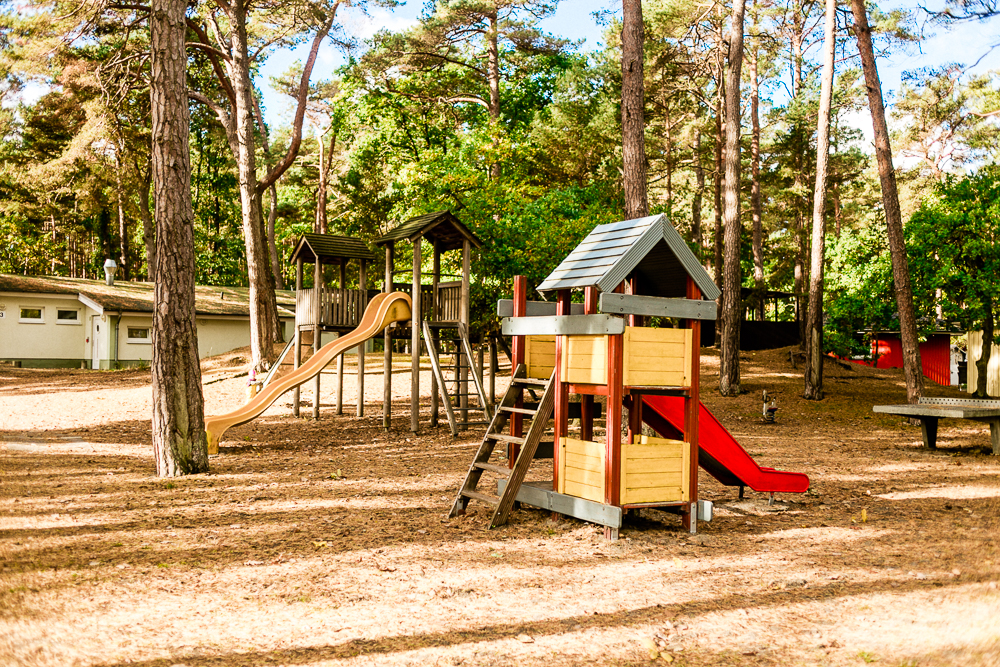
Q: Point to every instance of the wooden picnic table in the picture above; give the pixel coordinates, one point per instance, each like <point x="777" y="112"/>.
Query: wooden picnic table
<point x="931" y="409"/>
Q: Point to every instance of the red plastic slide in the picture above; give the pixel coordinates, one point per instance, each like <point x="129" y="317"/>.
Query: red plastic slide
<point x="719" y="453"/>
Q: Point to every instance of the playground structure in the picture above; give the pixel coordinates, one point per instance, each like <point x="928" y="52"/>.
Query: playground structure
<point x="356" y="315"/>
<point x="629" y="271"/>
<point x="382" y="311"/>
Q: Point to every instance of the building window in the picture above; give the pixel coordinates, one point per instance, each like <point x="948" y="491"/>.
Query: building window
<point x="67" y="316"/>
<point x="32" y="315"/>
<point x="139" y="335"/>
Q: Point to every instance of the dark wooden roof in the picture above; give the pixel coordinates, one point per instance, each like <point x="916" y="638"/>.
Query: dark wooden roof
<point x="138" y="297"/>
<point x="648" y="247"/>
<point x="440" y="226"/>
<point x="330" y="249"/>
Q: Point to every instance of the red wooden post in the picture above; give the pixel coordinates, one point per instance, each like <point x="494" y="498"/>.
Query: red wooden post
<point x="587" y="400"/>
<point x="635" y="406"/>
<point x="518" y="352"/>
<point x="560" y="412"/>
<point x="692" y="404"/>
<point x="612" y="457"/>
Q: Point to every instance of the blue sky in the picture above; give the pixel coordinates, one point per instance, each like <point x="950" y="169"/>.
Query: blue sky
<point x="574" y="20"/>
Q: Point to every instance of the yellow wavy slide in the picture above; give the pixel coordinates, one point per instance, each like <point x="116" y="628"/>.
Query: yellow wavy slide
<point x="382" y="311"/>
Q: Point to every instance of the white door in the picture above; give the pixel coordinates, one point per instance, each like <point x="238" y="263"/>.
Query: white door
<point x="95" y="343"/>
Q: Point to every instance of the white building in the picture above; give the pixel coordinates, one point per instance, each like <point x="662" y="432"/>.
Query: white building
<point x="50" y="321"/>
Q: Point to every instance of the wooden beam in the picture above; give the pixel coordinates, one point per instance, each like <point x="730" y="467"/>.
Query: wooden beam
<point x="654" y="306"/>
<point x="317" y="330"/>
<point x="563" y="325"/>
<point x="390" y="258"/>
<point x="560" y="411"/>
<point x="435" y="311"/>
<point x="340" y="320"/>
<point x="517" y="358"/>
<point x="692" y="411"/>
<point x="417" y="318"/>
<point x="297" y="355"/>
<point x="362" y="305"/>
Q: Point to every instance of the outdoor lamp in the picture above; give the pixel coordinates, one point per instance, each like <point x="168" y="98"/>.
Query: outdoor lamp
<point x="109" y="271"/>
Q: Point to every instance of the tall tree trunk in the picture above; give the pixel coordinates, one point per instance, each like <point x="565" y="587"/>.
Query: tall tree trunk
<point x="148" y="227"/>
<point x="124" y="263"/>
<point x="179" y="443"/>
<point x="720" y="140"/>
<point x="983" y="363"/>
<point x="757" y="241"/>
<point x="699" y="189"/>
<point x="890" y="201"/>
<point x="814" y="319"/>
<point x="493" y="76"/>
<point x="263" y="304"/>
<point x="732" y="305"/>
<point x="320" y="224"/>
<point x="633" y="101"/>
<point x="272" y="245"/>
<point x="798" y="162"/>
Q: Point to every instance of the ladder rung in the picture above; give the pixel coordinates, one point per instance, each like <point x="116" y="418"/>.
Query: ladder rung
<point x="503" y="437"/>
<point x="500" y="470"/>
<point x="475" y="495"/>
<point x="520" y="411"/>
<point x="534" y="381"/>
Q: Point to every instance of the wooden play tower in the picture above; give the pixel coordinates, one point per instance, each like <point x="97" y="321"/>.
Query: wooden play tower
<point x="440" y="313"/>
<point x="629" y="272"/>
<point x="323" y="308"/>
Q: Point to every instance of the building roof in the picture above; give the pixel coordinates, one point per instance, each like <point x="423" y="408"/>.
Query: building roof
<point x="330" y="249"/>
<point x="137" y="297"/>
<point x="648" y="247"/>
<point x="440" y="226"/>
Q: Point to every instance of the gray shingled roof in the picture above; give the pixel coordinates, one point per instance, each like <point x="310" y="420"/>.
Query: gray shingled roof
<point x="441" y="226"/>
<point x="138" y="297"/>
<point x="330" y="248"/>
<point x="648" y="247"/>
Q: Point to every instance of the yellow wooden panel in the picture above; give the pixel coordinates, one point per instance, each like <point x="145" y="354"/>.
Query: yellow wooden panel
<point x="649" y="480"/>
<point x="585" y="359"/>
<point x="672" y="494"/>
<point x="581" y="469"/>
<point x="540" y="356"/>
<point x="582" y="491"/>
<point x="657" y="357"/>
<point x="588" y="477"/>
<point x="653" y="466"/>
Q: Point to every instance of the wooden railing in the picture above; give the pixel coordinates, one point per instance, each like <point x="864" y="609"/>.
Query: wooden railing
<point x="449" y="302"/>
<point x="338" y="307"/>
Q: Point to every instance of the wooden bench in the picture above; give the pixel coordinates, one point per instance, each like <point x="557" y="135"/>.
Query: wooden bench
<point x="931" y="409"/>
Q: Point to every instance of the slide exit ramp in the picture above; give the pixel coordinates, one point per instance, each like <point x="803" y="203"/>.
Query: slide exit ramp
<point x="719" y="453"/>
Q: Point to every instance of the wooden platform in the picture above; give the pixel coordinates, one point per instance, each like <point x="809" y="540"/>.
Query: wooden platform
<point x="932" y="409"/>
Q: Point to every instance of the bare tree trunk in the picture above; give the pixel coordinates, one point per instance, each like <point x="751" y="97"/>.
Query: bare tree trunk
<point x="272" y="219"/>
<point x="983" y="363"/>
<point x="148" y="227"/>
<point x="755" y="203"/>
<point x="720" y="139"/>
<point x="699" y="179"/>
<point x="890" y="201"/>
<point x="493" y="74"/>
<point x="320" y="224"/>
<point x="732" y="306"/>
<point x="633" y="101"/>
<point x="263" y="304"/>
<point x="123" y="246"/>
<point x="814" y="318"/>
<point x="179" y="443"/>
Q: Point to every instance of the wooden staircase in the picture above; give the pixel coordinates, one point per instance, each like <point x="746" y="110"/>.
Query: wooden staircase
<point x="528" y="445"/>
<point x="451" y="388"/>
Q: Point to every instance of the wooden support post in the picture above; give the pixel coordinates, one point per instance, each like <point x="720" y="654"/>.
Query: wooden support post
<point x="480" y="363"/>
<point x="464" y="318"/>
<point x="560" y="410"/>
<point x="692" y="408"/>
<point x="493" y="370"/>
<point x="415" y="339"/>
<point x="390" y="258"/>
<point x="612" y="455"/>
<point x="362" y="305"/>
<point x="340" y="359"/>
<point x="587" y="400"/>
<point x="297" y="354"/>
<point x="317" y="327"/>
<point x="435" y="315"/>
<point x="517" y="358"/>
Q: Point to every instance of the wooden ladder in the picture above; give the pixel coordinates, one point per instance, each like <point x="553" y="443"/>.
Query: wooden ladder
<point x="465" y="351"/>
<point x="539" y="416"/>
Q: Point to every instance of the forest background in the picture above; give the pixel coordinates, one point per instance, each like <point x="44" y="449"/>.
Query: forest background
<point x="481" y="108"/>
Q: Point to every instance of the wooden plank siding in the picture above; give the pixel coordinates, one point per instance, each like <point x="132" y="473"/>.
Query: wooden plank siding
<point x="585" y="360"/>
<point x="654" y="470"/>
<point x="657" y="357"/>
<point x="581" y="469"/>
<point x="540" y="356"/>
